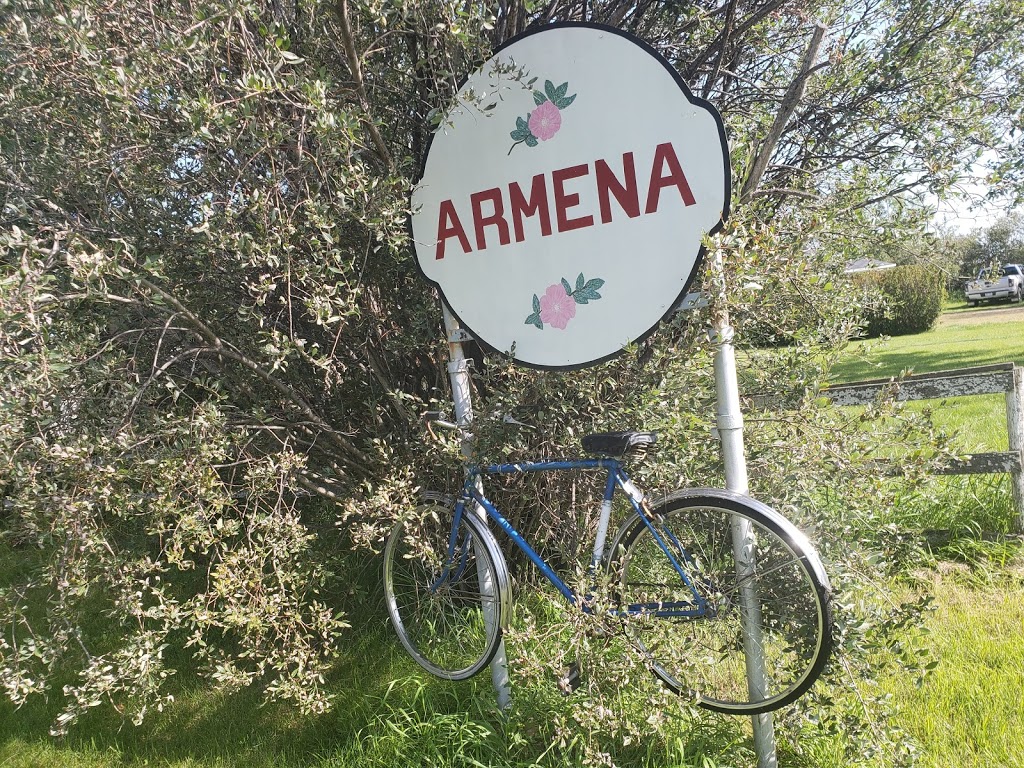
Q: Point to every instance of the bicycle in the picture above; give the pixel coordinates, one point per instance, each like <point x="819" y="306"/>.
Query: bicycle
<point x="726" y="599"/>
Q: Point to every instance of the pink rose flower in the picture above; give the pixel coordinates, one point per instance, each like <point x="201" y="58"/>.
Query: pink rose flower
<point x="557" y="307"/>
<point x="545" y="121"/>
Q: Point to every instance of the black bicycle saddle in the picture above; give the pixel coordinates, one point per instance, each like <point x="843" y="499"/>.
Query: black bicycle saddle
<point x="619" y="443"/>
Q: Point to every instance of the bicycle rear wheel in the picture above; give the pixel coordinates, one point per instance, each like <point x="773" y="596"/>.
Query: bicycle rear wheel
<point x="745" y="628"/>
<point x="446" y="591"/>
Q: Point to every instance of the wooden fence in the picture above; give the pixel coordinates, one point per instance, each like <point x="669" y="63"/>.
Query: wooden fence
<point x="1005" y="378"/>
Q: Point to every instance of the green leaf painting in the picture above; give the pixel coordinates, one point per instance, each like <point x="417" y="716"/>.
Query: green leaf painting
<point x="546" y="120"/>
<point x="534" y="319"/>
<point x="558" y="304"/>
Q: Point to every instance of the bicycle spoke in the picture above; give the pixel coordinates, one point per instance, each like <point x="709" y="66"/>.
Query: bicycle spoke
<point x="771" y="607"/>
<point x="436" y="597"/>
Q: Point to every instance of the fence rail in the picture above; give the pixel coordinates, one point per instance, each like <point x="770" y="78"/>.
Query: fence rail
<point x="962" y="382"/>
<point x="1006" y="378"/>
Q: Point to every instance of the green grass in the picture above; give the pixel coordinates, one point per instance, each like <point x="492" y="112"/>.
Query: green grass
<point x="389" y="714"/>
<point x="968" y="712"/>
<point x="955" y="342"/>
<point x="964" y="337"/>
<point x="386" y="714"/>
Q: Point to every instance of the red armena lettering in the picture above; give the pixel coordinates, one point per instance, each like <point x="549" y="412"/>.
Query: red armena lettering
<point x="495" y="219"/>
<point x="448" y="225"/>
<point x="537" y="204"/>
<point x="564" y="201"/>
<point x="625" y="193"/>
<point x="666" y="172"/>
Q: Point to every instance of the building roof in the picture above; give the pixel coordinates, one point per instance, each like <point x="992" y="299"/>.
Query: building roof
<point x="866" y="265"/>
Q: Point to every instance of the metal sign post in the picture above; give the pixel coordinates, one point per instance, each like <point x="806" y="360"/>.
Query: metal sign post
<point x="730" y="433"/>
<point x="458" y="373"/>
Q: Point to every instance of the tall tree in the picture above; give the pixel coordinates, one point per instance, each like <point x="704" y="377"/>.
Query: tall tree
<point x="989" y="248"/>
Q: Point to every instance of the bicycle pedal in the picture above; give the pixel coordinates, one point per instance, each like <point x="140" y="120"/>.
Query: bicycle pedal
<point x="569" y="680"/>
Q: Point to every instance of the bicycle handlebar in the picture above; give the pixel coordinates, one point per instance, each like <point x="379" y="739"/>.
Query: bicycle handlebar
<point x="438" y="417"/>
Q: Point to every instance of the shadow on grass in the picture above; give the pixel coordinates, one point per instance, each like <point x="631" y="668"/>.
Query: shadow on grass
<point x="886" y="363"/>
<point x="387" y="713"/>
<point x="207" y="728"/>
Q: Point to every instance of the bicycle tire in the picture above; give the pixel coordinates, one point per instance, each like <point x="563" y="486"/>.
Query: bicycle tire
<point x="707" y="656"/>
<point x="437" y="605"/>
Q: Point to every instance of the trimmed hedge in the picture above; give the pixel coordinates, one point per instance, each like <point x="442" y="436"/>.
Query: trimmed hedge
<point x="911" y="300"/>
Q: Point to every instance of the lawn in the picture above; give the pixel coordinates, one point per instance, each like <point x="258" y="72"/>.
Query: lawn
<point x="961" y="338"/>
<point x="968" y="713"/>
<point x="386" y="713"/>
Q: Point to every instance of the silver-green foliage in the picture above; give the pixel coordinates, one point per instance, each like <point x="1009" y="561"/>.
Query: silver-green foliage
<point x="198" y="272"/>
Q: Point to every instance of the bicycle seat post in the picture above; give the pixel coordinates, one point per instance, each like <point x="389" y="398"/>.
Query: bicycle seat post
<point x="602" y="525"/>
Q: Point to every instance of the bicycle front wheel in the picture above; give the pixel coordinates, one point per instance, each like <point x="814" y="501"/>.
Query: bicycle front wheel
<point x="740" y="616"/>
<point x="446" y="590"/>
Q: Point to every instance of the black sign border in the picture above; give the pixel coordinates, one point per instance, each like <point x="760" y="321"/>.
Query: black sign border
<point x="701" y="252"/>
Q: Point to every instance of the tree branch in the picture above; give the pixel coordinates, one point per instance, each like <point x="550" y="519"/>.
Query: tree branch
<point x="786" y="109"/>
<point x="730" y="19"/>
<point x="348" y="41"/>
<point x="222" y="349"/>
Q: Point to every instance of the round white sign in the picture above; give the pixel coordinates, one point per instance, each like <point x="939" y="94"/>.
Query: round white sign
<point x="564" y="200"/>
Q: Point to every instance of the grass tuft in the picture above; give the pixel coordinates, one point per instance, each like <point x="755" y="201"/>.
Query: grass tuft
<point x="968" y="712"/>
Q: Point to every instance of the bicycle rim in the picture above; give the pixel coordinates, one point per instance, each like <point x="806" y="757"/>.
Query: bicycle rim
<point x="763" y="633"/>
<point x="446" y="599"/>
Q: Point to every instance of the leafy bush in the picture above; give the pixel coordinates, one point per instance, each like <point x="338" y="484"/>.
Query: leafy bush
<point x="911" y="299"/>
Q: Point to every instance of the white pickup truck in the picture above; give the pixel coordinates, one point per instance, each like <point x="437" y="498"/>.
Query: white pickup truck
<point x="1009" y="284"/>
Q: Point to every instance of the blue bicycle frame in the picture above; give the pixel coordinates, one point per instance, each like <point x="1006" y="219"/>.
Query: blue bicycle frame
<point x="617" y="479"/>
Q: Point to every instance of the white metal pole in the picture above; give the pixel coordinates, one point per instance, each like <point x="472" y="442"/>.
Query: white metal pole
<point x="730" y="433"/>
<point x="458" y="373"/>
